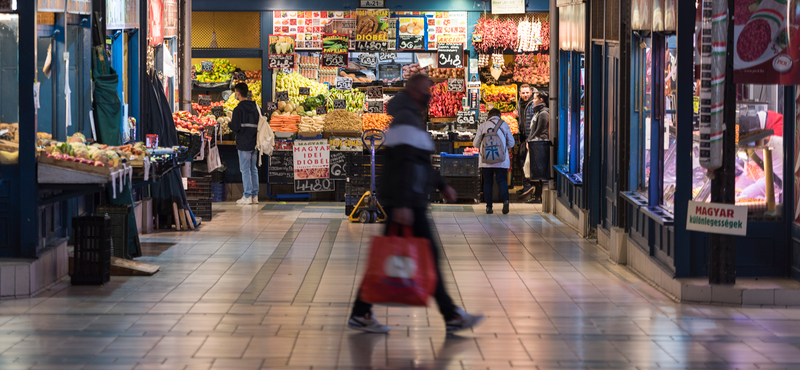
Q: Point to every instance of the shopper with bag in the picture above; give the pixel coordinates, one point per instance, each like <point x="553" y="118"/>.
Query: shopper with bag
<point x="398" y="262"/>
<point x="245" y="124"/>
<point x="494" y="138"/>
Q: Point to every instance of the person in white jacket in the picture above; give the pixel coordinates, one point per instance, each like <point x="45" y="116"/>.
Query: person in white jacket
<point x="495" y="171"/>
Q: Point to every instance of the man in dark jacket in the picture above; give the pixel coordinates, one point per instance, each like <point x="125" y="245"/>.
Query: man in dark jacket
<point x="524" y="113"/>
<point x="245" y="124"/>
<point x="540" y="131"/>
<point x="407" y="180"/>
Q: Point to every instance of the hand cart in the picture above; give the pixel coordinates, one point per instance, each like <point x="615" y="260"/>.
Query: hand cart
<point x="368" y="209"/>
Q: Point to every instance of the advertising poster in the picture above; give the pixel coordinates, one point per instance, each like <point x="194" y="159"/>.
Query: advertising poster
<point x="766" y="43"/>
<point x="121" y="14"/>
<point x="156" y="22"/>
<point x="412" y="33"/>
<point x="508" y="6"/>
<point x="309" y="26"/>
<point x="372" y="29"/>
<point x="311" y="159"/>
<point x="281" y="51"/>
<point x="334" y="50"/>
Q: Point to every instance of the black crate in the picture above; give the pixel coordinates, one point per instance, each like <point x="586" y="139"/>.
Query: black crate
<point x="443" y="146"/>
<point x="200" y="208"/>
<point x="92" y="257"/>
<point x="199" y="187"/>
<point x="119" y="214"/>
<point x="338" y="195"/>
<point x="465" y="187"/>
<point x="460" y="166"/>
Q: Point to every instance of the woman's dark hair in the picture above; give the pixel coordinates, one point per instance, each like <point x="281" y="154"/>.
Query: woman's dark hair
<point x="544" y="96"/>
<point x="494" y="112"/>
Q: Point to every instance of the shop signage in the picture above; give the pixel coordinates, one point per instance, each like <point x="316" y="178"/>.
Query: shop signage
<point x="280" y="167"/>
<point x="372" y="3"/>
<point x="508" y="6"/>
<point x="717" y="218"/>
<point x="339" y="104"/>
<point x="450" y="55"/>
<point x="372" y="29"/>
<point x="311" y="159"/>
<point x="455" y="84"/>
<point x="412" y="32"/>
<point x="281" y="51"/>
<point x="282" y="96"/>
<point x="374" y="106"/>
<point x="344" y="83"/>
<point x="465" y="117"/>
<point x="156" y="22"/>
<point x="368" y="60"/>
<point x="387" y="56"/>
<point x="314" y="185"/>
<point x="309" y="26"/>
<point x="352" y="144"/>
<point x="334" y="50"/>
<point x="338" y="164"/>
<point x="375" y="92"/>
<point x="766" y="42"/>
<point x="302" y="90"/>
<point x="204" y="100"/>
<point x="122" y="14"/>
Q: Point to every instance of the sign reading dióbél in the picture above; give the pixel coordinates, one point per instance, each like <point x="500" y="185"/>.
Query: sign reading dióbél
<point x="717" y="218"/>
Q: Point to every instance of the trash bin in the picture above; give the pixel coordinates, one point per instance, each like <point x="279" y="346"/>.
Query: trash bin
<point x="539" y="152"/>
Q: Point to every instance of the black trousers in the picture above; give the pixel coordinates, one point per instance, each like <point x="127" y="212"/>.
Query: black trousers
<point x="421" y="230"/>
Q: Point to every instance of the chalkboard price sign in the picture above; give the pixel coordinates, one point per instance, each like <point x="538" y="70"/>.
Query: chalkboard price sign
<point x="387" y="56"/>
<point x="372" y="45"/>
<point x="303" y="90"/>
<point x="465" y="117"/>
<point x="282" y="96"/>
<point x="239" y="76"/>
<point x="482" y="117"/>
<point x="368" y="60"/>
<point x="277" y="61"/>
<point x="374" y="106"/>
<point x="314" y="185"/>
<point x="334" y="60"/>
<point x="411" y="43"/>
<point x="455" y="84"/>
<point x="344" y="83"/>
<point x="272" y="106"/>
<point x="281" y="167"/>
<point x="322" y="110"/>
<point x="218" y="111"/>
<point x="450" y="55"/>
<point x="375" y="92"/>
<point x="339" y="104"/>
<point x="338" y="165"/>
<point x="204" y="100"/>
<point x="206" y="66"/>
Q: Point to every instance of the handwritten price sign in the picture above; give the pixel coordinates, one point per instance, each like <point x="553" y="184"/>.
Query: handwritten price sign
<point x="451" y="56"/>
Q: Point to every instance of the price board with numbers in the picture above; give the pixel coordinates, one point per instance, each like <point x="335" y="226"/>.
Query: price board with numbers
<point x="339" y="104"/>
<point x="322" y="110"/>
<point x="206" y="66"/>
<point x="239" y="76"/>
<point x="280" y="61"/>
<point x="465" y="117"/>
<point x="387" y="56"/>
<point x="282" y="96"/>
<point x="450" y="55"/>
<point x="314" y="185"/>
<point x="368" y="60"/>
<point x="412" y="32"/>
<point x="411" y="43"/>
<point x="455" y="84"/>
<point x="204" y="100"/>
<point x="371" y="45"/>
<point x="302" y="90"/>
<point x="344" y="83"/>
<point x="218" y="111"/>
<point x="372" y="3"/>
<point x="483" y="116"/>
<point x="375" y="92"/>
<point x="281" y="167"/>
<point x="272" y="106"/>
<point x="338" y="164"/>
<point x="375" y="106"/>
<point x="334" y="60"/>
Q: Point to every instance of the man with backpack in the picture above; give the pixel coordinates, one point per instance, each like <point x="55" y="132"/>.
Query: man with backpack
<point x="245" y="124"/>
<point x="494" y="139"/>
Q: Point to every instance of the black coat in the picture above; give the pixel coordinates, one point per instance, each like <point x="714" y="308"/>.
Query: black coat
<point x="245" y="124"/>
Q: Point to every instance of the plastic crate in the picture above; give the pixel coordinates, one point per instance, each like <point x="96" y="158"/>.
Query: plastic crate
<point x="339" y="193"/>
<point x="457" y="165"/>
<point x="119" y="214"/>
<point x="200" y="208"/>
<point x="199" y="187"/>
<point x="465" y="187"/>
<point x="443" y="146"/>
<point x="92" y="256"/>
<point x="218" y="193"/>
<point x="218" y="176"/>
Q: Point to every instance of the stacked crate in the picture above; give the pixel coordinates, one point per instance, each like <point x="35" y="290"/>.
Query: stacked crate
<point x="199" y="196"/>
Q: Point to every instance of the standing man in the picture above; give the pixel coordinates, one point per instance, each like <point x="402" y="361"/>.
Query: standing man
<point x="524" y="113"/>
<point x="407" y="180"/>
<point x="495" y="139"/>
<point x="539" y="131"/>
<point x="245" y="124"/>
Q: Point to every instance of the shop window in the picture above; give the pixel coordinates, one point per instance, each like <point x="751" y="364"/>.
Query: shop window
<point x="670" y="125"/>
<point x="9" y="56"/>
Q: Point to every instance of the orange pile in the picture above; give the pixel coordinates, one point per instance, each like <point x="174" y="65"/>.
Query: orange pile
<point x="376" y="121"/>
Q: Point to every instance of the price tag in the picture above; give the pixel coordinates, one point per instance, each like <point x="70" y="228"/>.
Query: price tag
<point x="375" y="92"/>
<point x="411" y="43"/>
<point x="374" y="106"/>
<point x="218" y="111"/>
<point x="241" y="76"/>
<point x="465" y="117"/>
<point x="339" y="104"/>
<point x="455" y="84"/>
<point x="272" y="106"/>
<point x="476" y="38"/>
<point x="372" y="3"/>
<point x="483" y="116"/>
<point x="282" y="96"/>
<point x="322" y="110"/>
<point x="207" y="66"/>
<point x="387" y="56"/>
<point x="204" y="100"/>
<point x="344" y="83"/>
<point x="450" y="55"/>
<point x="313" y="185"/>
<point x="303" y="90"/>
<point x="334" y="60"/>
<point x="372" y="45"/>
<point x="368" y="60"/>
<point x="279" y="61"/>
<point x="287" y="70"/>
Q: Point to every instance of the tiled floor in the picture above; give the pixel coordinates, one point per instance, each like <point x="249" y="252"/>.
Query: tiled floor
<point x="269" y="287"/>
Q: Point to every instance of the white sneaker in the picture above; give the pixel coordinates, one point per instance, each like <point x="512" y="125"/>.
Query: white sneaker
<point x="244" y="200"/>
<point x="463" y="321"/>
<point x="254" y="200"/>
<point x="367" y="323"/>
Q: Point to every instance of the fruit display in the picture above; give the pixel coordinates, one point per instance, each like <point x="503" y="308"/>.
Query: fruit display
<point x="512" y="122"/>
<point x="206" y="110"/>
<point x="291" y="82"/>
<point x="255" y="91"/>
<point x="532" y="69"/>
<point x="342" y="120"/>
<point x="97" y="154"/>
<point x="503" y="98"/>
<point x="252" y="76"/>
<point x="284" y="123"/>
<point x="412" y="69"/>
<point x="309" y="124"/>
<point x="444" y="103"/>
<point x="355" y="99"/>
<point x="376" y="121"/>
<point x="222" y="71"/>
<point x="185" y="121"/>
<point x="446" y="73"/>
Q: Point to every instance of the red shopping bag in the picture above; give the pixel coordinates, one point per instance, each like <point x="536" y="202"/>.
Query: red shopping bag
<point x="401" y="270"/>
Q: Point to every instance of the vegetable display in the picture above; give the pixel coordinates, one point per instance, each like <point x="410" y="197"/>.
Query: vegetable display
<point x="444" y="103"/>
<point x="222" y="71"/>
<point x="512" y="122"/>
<point x="532" y="69"/>
<point x="309" y="124"/>
<point x="376" y="121"/>
<point x="312" y="102"/>
<point x="205" y="110"/>
<point x="412" y="69"/>
<point x="286" y="123"/>
<point x="355" y="99"/>
<point x="342" y="120"/>
<point x="503" y="98"/>
<point x="291" y="82"/>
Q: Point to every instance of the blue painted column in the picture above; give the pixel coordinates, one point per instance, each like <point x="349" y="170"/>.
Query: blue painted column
<point x="266" y="73"/>
<point x="29" y="189"/>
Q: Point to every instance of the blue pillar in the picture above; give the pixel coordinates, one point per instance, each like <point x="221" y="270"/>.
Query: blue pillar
<point x="684" y="118"/>
<point x="29" y="189"/>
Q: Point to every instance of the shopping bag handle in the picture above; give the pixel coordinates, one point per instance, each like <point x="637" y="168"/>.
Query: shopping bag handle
<point x="401" y="230"/>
